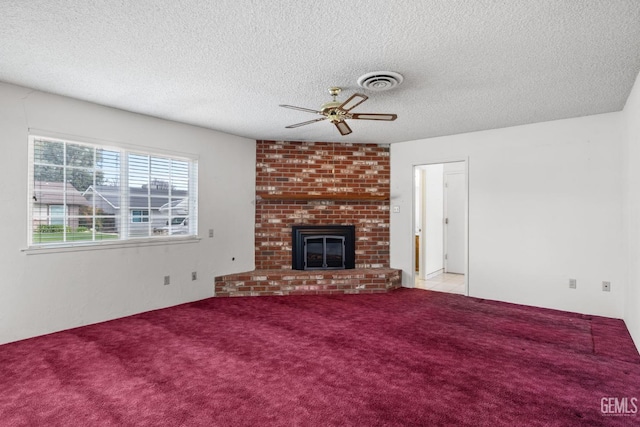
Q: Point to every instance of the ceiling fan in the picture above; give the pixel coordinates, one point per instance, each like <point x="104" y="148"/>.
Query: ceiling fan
<point x="337" y="112"/>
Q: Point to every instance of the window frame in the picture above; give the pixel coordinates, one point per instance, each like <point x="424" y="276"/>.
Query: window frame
<point x="125" y="216"/>
<point x="140" y="215"/>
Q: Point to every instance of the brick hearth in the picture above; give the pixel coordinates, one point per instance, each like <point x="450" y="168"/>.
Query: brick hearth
<point x="296" y="282"/>
<point x="306" y="183"/>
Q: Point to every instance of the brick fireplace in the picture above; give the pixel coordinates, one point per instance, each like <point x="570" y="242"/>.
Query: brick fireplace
<point x="317" y="183"/>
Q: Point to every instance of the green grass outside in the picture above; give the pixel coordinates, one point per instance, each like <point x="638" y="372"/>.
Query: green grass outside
<point x="71" y="237"/>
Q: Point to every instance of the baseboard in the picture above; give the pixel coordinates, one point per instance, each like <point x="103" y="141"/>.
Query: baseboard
<point x="434" y="274"/>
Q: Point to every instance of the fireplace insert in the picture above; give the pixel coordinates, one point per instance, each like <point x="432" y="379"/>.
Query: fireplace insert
<point x="323" y="247"/>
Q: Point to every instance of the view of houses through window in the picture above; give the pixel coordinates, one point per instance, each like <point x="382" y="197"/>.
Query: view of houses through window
<point x="87" y="193"/>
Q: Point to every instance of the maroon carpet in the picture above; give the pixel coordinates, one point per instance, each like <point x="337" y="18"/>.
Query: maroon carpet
<point x="408" y="358"/>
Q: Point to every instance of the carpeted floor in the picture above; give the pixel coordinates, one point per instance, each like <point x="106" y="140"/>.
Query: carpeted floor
<point x="408" y="358"/>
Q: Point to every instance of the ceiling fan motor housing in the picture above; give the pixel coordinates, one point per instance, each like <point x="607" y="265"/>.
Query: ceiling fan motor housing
<point x="331" y="111"/>
<point x="327" y="106"/>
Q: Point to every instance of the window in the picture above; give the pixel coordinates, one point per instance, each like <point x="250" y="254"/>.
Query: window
<point x="56" y="215"/>
<point x="139" y="216"/>
<point x="86" y="193"/>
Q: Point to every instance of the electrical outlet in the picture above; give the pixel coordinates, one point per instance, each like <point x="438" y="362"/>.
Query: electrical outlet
<point x="211" y="232"/>
<point x="194" y="275"/>
<point x="167" y="280"/>
<point x="606" y="286"/>
<point x="573" y="283"/>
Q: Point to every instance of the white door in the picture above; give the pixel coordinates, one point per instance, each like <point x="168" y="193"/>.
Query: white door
<point x="454" y="228"/>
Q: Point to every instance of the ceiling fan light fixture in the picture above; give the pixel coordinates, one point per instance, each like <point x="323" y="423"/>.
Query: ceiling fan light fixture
<point x="379" y="81"/>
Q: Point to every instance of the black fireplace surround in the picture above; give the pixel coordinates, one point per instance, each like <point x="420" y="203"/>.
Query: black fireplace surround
<point x="323" y="247"/>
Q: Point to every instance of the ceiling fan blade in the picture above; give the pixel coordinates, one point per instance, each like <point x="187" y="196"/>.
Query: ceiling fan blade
<point x="308" y="110"/>
<point x="353" y="101"/>
<point x="343" y="128"/>
<point x="297" y="125"/>
<point x="371" y="116"/>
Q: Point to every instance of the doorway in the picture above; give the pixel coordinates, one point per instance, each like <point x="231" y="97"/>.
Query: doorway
<point x="440" y="224"/>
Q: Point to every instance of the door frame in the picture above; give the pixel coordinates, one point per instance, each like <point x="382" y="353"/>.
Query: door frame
<point x="435" y="161"/>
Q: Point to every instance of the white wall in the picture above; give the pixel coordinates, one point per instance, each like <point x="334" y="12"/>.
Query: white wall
<point x="49" y="292"/>
<point x="434" y="217"/>
<point x="545" y="205"/>
<point x="632" y="167"/>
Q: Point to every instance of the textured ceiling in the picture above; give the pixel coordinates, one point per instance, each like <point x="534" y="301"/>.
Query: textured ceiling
<point x="227" y="64"/>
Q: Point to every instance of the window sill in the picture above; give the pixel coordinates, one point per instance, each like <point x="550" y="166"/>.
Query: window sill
<point x="92" y="246"/>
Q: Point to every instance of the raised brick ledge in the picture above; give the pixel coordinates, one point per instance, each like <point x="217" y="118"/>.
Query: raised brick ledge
<point x="296" y="282"/>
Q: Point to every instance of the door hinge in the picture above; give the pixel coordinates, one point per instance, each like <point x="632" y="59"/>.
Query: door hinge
<point x="446" y="220"/>
<point x="446" y="256"/>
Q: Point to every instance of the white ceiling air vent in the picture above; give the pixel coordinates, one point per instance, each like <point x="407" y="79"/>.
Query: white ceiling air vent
<point x="380" y="80"/>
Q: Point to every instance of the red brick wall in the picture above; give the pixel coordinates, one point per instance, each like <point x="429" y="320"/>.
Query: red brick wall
<point x="321" y="169"/>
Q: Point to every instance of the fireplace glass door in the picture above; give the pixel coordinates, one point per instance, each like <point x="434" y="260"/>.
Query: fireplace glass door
<point x="323" y="247"/>
<point x="324" y="252"/>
